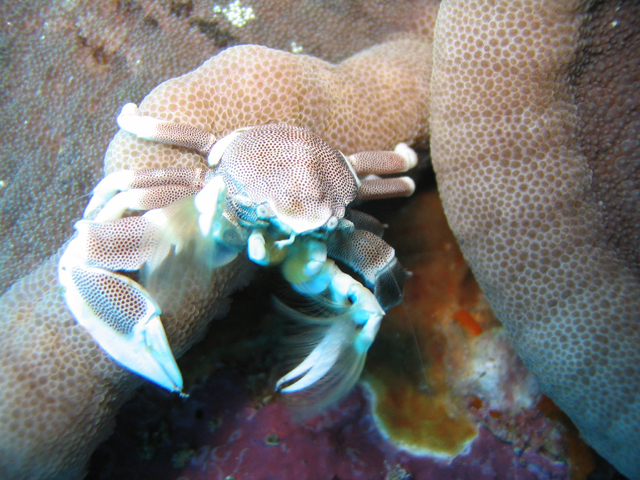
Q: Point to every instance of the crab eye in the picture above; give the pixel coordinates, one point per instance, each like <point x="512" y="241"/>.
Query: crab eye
<point x="264" y="212"/>
<point x="331" y="224"/>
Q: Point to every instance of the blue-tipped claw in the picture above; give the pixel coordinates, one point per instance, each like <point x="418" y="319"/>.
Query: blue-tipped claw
<point x="121" y="317"/>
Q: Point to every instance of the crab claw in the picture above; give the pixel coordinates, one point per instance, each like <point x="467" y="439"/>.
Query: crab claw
<point x="340" y="343"/>
<point x="337" y="338"/>
<point x="333" y="367"/>
<point x="121" y="317"/>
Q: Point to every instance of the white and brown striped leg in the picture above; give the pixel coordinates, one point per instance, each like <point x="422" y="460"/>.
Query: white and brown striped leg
<point x="188" y="213"/>
<point x="164" y="131"/>
<point x="171" y="133"/>
<point x="375" y="188"/>
<point x="403" y="158"/>
<point x="185" y="205"/>
<point x="143" y="190"/>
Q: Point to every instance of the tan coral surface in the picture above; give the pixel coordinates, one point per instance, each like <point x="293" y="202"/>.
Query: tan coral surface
<point x="518" y="193"/>
<point x="347" y="104"/>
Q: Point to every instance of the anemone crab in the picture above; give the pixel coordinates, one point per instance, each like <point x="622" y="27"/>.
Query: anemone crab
<point x="278" y="190"/>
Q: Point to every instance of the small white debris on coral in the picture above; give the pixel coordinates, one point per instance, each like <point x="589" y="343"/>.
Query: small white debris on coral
<point x="295" y="48"/>
<point x="235" y="13"/>
<point x="495" y="374"/>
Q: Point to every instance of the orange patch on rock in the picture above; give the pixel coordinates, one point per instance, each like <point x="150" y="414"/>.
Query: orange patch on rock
<point x="440" y="366"/>
<point x="409" y="365"/>
<point x="464" y="318"/>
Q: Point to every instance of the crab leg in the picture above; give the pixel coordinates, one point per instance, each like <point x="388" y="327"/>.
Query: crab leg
<point x="119" y="313"/>
<point x="123" y="244"/>
<point x="374" y="259"/>
<point x="173" y="210"/>
<point x="371" y="164"/>
<point x="364" y="221"/>
<point x="403" y="158"/>
<point x="148" y="187"/>
<point x="375" y="188"/>
<point x="165" y="131"/>
<point x="171" y="133"/>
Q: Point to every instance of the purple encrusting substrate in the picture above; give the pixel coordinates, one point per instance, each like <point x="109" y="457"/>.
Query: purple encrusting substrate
<point x="228" y="438"/>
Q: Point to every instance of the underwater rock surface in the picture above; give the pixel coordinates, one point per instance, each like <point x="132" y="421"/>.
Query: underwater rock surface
<point x="221" y="433"/>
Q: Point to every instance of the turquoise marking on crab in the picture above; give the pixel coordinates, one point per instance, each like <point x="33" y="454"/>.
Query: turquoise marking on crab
<point x="277" y="191"/>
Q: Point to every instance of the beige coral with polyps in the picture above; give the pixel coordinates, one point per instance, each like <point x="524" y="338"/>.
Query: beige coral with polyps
<point x="517" y="193"/>
<point x="371" y="101"/>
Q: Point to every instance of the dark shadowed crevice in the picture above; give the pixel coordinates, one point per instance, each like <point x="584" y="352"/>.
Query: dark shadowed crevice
<point x="608" y="102"/>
